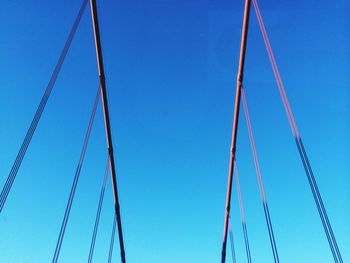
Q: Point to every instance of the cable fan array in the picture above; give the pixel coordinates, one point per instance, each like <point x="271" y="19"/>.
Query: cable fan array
<point x="240" y="93"/>
<point x="101" y="92"/>
<point x="233" y="171"/>
<point x="22" y="151"/>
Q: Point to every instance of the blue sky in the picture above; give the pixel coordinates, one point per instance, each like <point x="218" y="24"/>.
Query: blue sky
<point x="171" y="69"/>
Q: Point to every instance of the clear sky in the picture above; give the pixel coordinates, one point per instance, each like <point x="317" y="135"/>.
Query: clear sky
<point x="171" y="70"/>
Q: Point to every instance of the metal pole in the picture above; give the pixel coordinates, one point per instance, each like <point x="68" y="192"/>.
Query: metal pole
<point x="107" y="124"/>
<point x="235" y="123"/>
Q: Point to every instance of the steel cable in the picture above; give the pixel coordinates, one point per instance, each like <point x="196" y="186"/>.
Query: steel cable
<point x="98" y="214"/>
<point x="110" y="253"/>
<point x="19" y="158"/>
<point x="76" y="178"/>
<point x="241" y="208"/>
<point x="300" y="146"/>
<point x="259" y="177"/>
<point x="231" y="241"/>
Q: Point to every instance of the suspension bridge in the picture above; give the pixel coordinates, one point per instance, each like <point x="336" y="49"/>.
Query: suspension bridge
<point x="251" y="7"/>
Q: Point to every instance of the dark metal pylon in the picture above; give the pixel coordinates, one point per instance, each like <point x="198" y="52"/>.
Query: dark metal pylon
<point x="235" y="124"/>
<point x="107" y="124"/>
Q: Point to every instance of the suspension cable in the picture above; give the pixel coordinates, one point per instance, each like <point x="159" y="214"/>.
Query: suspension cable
<point x="231" y="241"/>
<point x="98" y="214"/>
<point x="241" y="209"/>
<point x="110" y="253"/>
<point x="76" y="178"/>
<point x="30" y="132"/>
<point x="259" y="177"/>
<point x="301" y="149"/>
